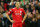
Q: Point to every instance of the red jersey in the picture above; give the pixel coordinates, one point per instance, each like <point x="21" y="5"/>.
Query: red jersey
<point x="17" y="14"/>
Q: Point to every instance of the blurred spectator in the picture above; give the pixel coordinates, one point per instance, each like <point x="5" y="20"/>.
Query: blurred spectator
<point x="34" y="24"/>
<point x="37" y="13"/>
<point x="5" y="6"/>
<point x="0" y="21"/>
<point x="21" y="4"/>
<point x="29" y="20"/>
<point x="5" y="19"/>
<point x="31" y="7"/>
<point x="38" y="18"/>
<point x="39" y="7"/>
<point x="2" y="0"/>
<point x="27" y="8"/>
<point x="2" y="4"/>
<point x="1" y="9"/>
<point x="13" y="5"/>
<point x="36" y="5"/>
<point x="33" y="12"/>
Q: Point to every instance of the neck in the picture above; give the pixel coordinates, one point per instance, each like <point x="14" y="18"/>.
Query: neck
<point x="17" y="7"/>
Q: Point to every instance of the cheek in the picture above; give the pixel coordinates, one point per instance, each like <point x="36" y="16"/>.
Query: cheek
<point x="16" y="5"/>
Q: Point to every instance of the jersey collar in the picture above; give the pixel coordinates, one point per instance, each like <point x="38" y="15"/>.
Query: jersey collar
<point x="16" y="8"/>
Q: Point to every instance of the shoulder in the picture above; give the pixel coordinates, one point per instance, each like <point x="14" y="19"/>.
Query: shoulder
<point x="13" y="8"/>
<point x="21" y="8"/>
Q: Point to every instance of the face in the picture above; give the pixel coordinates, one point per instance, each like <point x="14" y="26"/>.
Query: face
<point x="36" y="11"/>
<point x="29" y="14"/>
<point x="17" y="5"/>
<point x="1" y="3"/>
<point x="33" y="7"/>
<point x="36" y="2"/>
<point x="27" y="6"/>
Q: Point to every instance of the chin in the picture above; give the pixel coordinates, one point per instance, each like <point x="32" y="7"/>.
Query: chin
<point x="17" y="7"/>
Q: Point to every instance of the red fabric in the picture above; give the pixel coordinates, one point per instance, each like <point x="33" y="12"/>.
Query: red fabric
<point x="5" y="6"/>
<point x="17" y="25"/>
<point x="17" y="14"/>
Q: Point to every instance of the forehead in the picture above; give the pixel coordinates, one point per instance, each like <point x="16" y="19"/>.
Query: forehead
<point x="17" y="2"/>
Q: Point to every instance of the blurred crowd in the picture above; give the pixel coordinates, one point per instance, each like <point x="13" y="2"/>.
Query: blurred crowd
<point x="30" y="6"/>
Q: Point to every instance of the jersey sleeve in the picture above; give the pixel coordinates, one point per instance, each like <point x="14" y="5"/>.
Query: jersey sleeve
<point x="24" y="12"/>
<point x="10" y="11"/>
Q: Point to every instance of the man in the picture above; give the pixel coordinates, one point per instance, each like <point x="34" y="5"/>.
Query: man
<point x="16" y="15"/>
<point x="38" y="18"/>
<point x="39" y="7"/>
<point x="36" y="5"/>
<point x="0" y="20"/>
<point x="1" y="9"/>
<point x="28" y="20"/>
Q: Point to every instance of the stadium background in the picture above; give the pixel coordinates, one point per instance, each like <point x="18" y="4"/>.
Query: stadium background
<point x="32" y="6"/>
